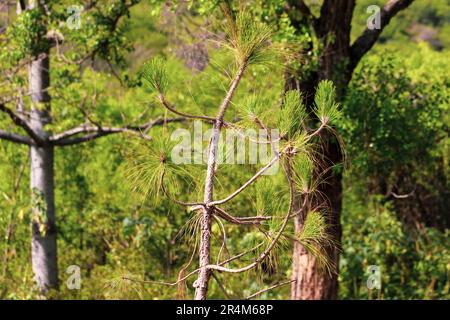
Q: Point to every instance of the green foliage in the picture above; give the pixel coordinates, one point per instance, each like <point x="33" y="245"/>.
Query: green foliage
<point x="402" y="129"/>
<point x="413" y="265"/>
<point x="248" y="38"/>
<point x="292" y="114"/>
<point x="315" y="239"/>
<point x="27" y="34"/>
<point x="154" y="75"/>
<point x="395" y="124"/>
<point x="325" y="106"/>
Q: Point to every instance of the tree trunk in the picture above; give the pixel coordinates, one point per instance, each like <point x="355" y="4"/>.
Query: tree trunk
<point x="334" y="64"/>
<point x="204" y="274"/>
<point x="43" y="243"/>
<point x="201" y="284"/>
<point x="311" y="281"/>
<point x="337" y="63"/>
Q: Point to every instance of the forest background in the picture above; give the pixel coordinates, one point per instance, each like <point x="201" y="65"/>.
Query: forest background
<point x="396" y="175"/>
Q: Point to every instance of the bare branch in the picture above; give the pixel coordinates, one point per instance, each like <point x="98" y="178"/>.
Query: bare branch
<point x="368" y="38"/>
<point x="248" y="183"/>
<point x="13" y="137"/>
<point x="94" y="132"/>
<point x="268" y="289"/>
<point x="240" y="255"/>
<point x="19" y="121"/>
<point x="87" y="138"/>
<point x="162" y="99"/>
<point x="240" y="220"/>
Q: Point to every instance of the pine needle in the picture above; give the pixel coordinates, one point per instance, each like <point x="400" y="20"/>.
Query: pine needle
<point x="316" y="240"/>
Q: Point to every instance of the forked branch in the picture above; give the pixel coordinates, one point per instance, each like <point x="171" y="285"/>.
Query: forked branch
<point x="93" y="132"/>
<point x="19" y="121"/>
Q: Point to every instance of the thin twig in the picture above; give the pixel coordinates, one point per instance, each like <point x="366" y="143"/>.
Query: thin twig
<point x="269" y="288"/>
<point x="221" y="286"/>
<point x="248" y="183"/>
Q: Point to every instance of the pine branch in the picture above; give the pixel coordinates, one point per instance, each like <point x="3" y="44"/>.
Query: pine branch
<point x="240" y="220"/>
<point x="269" y="248"/>
<point x="247" y="184"/>
<point x="169" y="107"/>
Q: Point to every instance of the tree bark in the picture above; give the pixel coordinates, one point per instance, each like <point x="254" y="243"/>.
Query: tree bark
<point x="337" y="63"/>
<point x="204" y="274"/>
<point x="43" y="243"/>
<point x="311" y="283"/>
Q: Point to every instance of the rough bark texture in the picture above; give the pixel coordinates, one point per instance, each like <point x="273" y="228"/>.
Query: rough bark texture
<point x="201" y="284"/>
<point x="43" y="244"/>
<point x="336" y="63"/>
<point x="335" y="21"/>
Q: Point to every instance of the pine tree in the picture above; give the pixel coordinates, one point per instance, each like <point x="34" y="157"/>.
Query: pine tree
<point x="154" y="172"/>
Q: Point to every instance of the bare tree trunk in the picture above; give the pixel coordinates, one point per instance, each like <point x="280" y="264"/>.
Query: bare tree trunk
<point x="43" y="243"/>
<point x="201" y="284"/>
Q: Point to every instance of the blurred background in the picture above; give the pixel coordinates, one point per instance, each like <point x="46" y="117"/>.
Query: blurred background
<point x="395" y="126"/>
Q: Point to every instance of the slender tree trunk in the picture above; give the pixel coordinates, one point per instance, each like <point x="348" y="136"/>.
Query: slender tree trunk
<point x="43" y="243"/>
<point x="201" y="284"/>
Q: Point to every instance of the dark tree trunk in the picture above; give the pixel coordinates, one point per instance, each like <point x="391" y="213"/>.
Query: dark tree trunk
<point x="334" y="24"/>
<point x="337" y="63"/>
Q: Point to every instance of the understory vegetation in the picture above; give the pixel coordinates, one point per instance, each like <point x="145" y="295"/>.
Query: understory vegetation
<point x="120" y="200"/>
